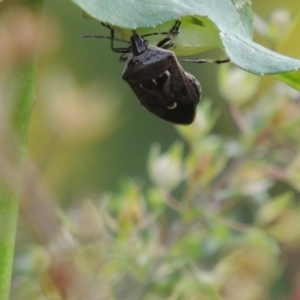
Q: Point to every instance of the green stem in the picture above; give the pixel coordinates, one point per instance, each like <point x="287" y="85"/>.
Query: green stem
<point x="16" y="105"/>
<point x="14" y="135"/>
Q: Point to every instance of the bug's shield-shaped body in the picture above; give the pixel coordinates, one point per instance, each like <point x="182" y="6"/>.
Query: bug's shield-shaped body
<point x="162" y="86"/>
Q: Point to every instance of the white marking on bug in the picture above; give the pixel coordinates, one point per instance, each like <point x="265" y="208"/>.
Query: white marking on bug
<point x="167" y="73"/>
<point x="172" y="106"/>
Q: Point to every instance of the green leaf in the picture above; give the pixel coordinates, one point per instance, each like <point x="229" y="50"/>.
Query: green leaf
<point x="226" y="24"/>
<point x="255" y="58"/>
<point x="245" y="11"/>
<point x="290" y="78"/>
<point x="136" y="13"/>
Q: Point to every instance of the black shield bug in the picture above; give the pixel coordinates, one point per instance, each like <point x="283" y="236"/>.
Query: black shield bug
<point x="158" y="79"/>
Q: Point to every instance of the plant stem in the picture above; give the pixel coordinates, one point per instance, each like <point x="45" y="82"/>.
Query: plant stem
<point x="14" y="134"/>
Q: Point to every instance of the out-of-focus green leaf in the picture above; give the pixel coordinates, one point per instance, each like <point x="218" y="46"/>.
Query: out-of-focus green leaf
<point x="270" y="211"/>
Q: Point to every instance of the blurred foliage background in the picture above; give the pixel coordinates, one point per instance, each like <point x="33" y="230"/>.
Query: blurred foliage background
<point x="118" y="204"/>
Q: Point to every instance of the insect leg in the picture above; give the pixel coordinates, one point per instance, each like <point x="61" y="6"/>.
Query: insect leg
<point x="173" y="31"/>
<point x="166" y="43"/>
<point x="175" y="28"/>
<point x="204" y="61"/>
<point x="112" y="39"/>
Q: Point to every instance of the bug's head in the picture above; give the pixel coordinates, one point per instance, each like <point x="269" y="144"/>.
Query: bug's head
<point x="138" y="44"/>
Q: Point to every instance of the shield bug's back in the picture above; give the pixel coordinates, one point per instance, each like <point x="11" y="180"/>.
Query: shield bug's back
<point x="157" y="78"/>
<point x="160" y="83"/>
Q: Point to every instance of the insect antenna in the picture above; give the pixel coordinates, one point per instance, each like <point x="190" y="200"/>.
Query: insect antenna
<point x="105" y="37"/>
<point x="112" y="39"/>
